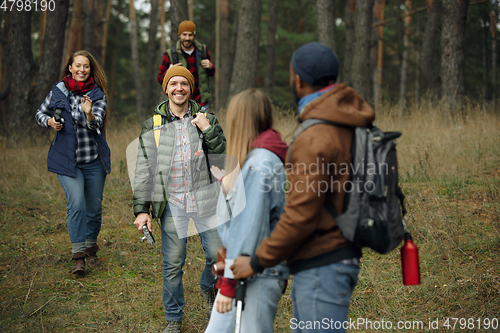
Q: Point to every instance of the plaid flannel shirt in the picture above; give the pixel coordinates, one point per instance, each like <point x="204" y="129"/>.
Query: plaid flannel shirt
<point x="179" y="189"/>
<point x="193" y="68"/>
<point x="86" y="149"/>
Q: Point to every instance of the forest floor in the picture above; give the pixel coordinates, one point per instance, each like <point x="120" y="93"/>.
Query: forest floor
<point x="450" y="174"/>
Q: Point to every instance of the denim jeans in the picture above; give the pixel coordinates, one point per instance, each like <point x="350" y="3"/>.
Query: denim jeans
<point x="84" y="203"/>
<point x="321" y="298"/>
<point x="261" y="305"/>
<point x="174" y="257"/>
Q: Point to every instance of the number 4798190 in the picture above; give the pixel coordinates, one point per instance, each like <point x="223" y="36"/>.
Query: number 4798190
<point x="28" y="5"/>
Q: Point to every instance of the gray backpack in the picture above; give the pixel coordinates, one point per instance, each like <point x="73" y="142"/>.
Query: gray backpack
<point x="374" y="203"/>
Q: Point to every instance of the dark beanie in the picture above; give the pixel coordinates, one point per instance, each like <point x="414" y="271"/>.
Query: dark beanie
<point x="314" y="61"/>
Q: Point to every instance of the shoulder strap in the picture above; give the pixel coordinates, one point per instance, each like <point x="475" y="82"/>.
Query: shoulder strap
<point x="203" y="52"/>
<point x="156" y="128"/>
<point x="175" y="55"/>
<point x="305" y="124"/>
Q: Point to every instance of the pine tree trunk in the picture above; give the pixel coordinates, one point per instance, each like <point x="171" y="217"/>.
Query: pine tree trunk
<point x="429" y="65"/>
<point x="345" y="69"/>
<point x="52" y="55"/>
<point x="105" y="32"/>
<point x="272" y="25"/>
<point x="325" y="10"/>
<point x="135" y="61"/>
<point x="75" y="39"/>
<point x="178" y="13"/>
<point x="360" y="70"/>
<point x="493" y="24"/>
<point x="226" y="53"/>
<point x="20" y="66"/>
<point x="403" y="84"/>
<point x="377" y="75"/>
<point x="93" y="11"/>
<point x="247" y="46"/>
<point x="453" y="56"/>
<point x="417" y="69"/>
<point x="151" y="86"/>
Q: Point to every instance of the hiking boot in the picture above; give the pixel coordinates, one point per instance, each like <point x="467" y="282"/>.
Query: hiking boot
<point x="91" y="255"/>
<point x="173" y="327"/>
<point x="209" y="299"/>
<point x="78" y="266"/>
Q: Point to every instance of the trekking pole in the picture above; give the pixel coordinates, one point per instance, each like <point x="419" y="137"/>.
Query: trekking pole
<point x="239" y="296"/>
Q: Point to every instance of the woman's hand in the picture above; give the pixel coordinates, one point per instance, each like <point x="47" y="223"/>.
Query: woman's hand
<point x="87" y="107"/>
<point x="223" y="304"/>
<point x="54" y="124"/>
<point x="217" y="173"/>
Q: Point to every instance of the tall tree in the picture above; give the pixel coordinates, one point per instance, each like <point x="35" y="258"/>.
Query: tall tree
<point x="360" y="70"/>
<point x="326" y="22"/>
<point x="20" y="66"/>
<point x="178" y="13"/>
<point x="53" y="49"/>
<point x="135" y="61"/>
<point x="105" y="32"/>
<point x="74" y="35"/>
<point x="493" y="25"/>
<point x="379" y="11"/>
<point x="429" y="66"/>
<point x="247" y="46"/>
<point x="93" y="28"/>
<point x="349" y="10"/>
<point x="223" y="55"/>
<point x="403" y="83"/>
<point x="272" y="25"/>
<point x="453" y="57"/>
<point x="151" y="86"/>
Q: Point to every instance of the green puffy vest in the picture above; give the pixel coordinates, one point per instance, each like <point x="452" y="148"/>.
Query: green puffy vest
<point x="203" y="79"/>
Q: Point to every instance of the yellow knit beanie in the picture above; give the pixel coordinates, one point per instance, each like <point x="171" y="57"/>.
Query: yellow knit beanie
<point x="187" y="26"/>
<point x="178" y="71"/>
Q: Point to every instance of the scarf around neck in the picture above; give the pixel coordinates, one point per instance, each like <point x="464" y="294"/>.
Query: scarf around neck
<point x="77" y="87"/>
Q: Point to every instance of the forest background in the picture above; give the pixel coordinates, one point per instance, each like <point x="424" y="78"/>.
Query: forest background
<point x="429" y="68"/>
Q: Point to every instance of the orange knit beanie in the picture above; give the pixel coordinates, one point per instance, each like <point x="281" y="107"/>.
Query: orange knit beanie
<point x="178" y="71"/>
<point x="187" y="26"/>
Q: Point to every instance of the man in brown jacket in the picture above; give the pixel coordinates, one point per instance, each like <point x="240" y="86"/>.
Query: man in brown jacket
<point x="325" y="264"/>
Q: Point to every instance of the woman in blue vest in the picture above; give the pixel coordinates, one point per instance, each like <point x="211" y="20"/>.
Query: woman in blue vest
<point x="79" y="154"/>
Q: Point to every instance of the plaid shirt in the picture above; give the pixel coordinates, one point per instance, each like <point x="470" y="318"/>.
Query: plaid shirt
<point x="179" y="190"/>
<point x="86" y="149"/>
<point x="193" y="68"/>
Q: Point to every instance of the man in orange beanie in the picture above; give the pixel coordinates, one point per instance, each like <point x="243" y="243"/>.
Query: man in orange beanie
<point x="173" y="182"/>
<point x="193" y="55"/>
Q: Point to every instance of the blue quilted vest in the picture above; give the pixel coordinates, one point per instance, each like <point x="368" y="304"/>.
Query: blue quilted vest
<point x="61" y="158"/>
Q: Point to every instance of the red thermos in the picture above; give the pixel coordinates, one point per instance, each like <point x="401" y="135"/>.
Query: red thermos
<point x="409" y="262"/>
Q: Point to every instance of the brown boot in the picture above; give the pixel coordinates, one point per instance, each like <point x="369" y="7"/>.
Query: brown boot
<point x="91" y="254"/>
<point x="79" y="263"/>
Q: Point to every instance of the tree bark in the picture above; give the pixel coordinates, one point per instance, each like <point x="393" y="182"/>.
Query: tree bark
<point x="93" y="12"/>
<point x="135" y="61"/>
<point x="429" y="65"/>
<point x="75" y="39"/>
<point x="178" y="13"/>
<point x="345" y="70"/>
<point x="377" y="74"/>
<point x="493" y="24"/>
<point x="272" y="25"/>
<point x="105" y="32"/>
<point x="360" y="70"/>
<point x="453" y="57"/>
<point x="49" y="71"/>
<point x="325" y="10"/>
<point x="151" y="85"/>
<point x="247" y="46"/>
<point x="403" y="83"/>
<point x="20" y="66"/>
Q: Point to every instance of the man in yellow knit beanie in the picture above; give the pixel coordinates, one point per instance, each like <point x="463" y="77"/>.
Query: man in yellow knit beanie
<point x="193" y="55"/>
<point x="173" y="183"/>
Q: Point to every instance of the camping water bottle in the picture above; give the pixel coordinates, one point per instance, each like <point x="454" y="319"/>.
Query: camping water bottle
<point x="409" y="262"/>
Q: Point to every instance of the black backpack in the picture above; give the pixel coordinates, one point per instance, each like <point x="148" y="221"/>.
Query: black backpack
<point x="374" y="203"/>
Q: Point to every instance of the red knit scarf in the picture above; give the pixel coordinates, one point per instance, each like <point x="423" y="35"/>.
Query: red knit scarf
<point x="78" y="87"/>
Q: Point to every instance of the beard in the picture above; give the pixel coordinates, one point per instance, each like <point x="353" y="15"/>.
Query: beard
<point x="296" y="98"/>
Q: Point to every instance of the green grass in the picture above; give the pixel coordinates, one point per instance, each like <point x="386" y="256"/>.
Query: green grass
<point x="451" y="181"/>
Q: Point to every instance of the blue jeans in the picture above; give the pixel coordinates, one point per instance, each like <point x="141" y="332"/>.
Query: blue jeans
<point x="261" y="305"/>
<point x="321" y="298"/>
<point x="84" y="203"/>
<point x="174" y="257"/>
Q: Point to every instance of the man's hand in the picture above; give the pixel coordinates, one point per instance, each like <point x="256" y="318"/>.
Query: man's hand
<point x="224" y="304"/>
<point x="201" y="121"/>
<point x="177" y="64"/>
<point x="241" y="268"/>
<point x="143" y="219"/>
<point x="206" y="64"/>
